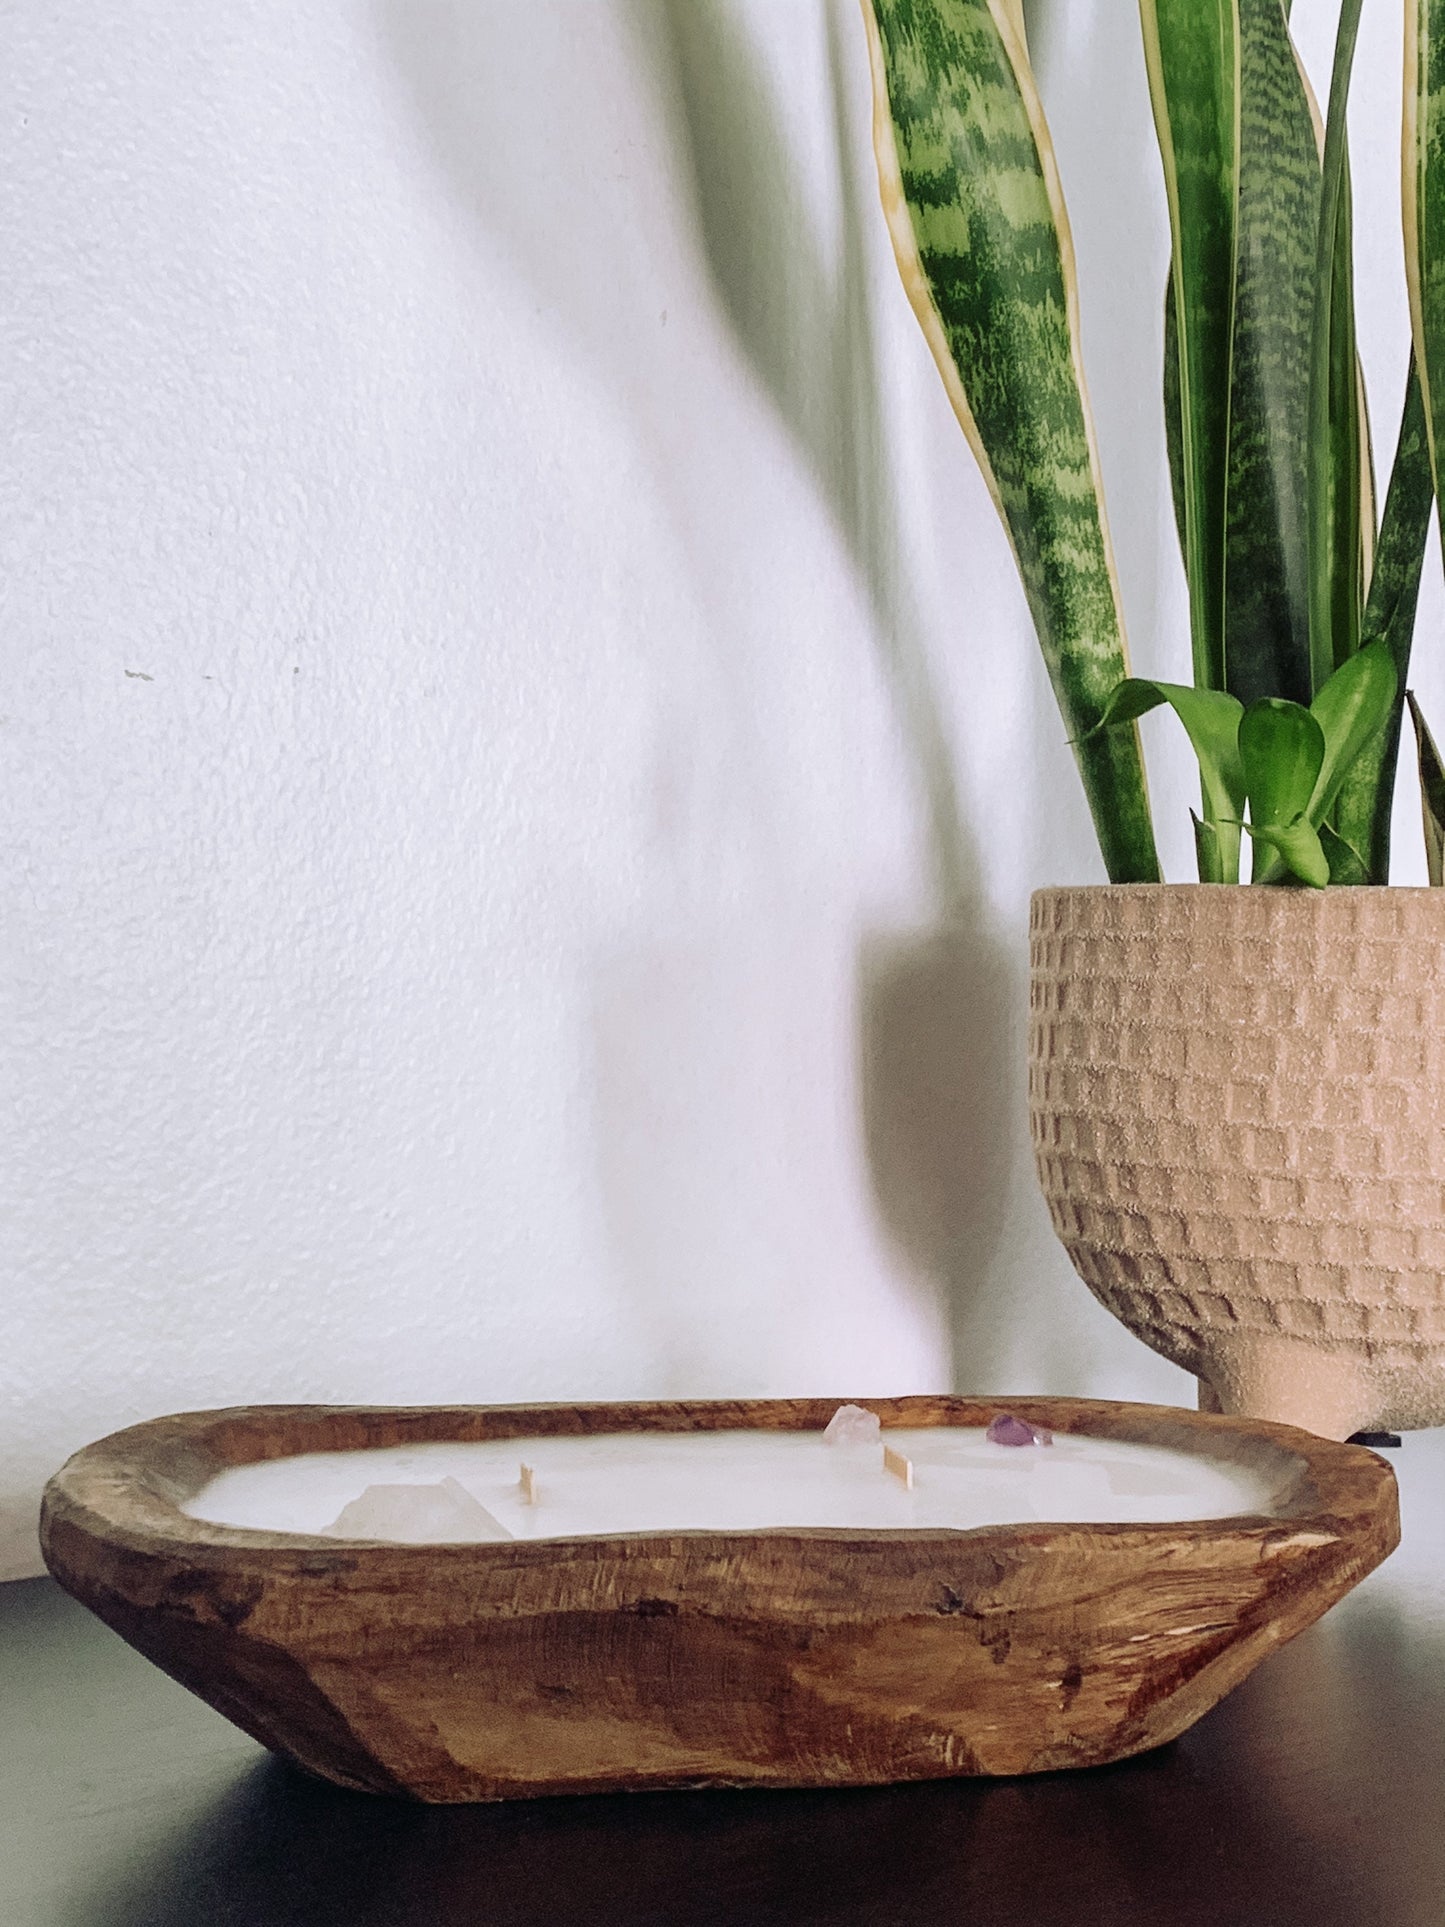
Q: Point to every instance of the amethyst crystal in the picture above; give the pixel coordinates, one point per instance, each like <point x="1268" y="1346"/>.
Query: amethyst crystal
<point x="1008" y="1430"/>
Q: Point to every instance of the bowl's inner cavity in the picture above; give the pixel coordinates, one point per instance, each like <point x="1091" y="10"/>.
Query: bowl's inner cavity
<point x="645" y="1482"/>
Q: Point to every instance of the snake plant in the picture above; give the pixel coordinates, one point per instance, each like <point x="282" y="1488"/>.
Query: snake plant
<point x="1301" y="603"/>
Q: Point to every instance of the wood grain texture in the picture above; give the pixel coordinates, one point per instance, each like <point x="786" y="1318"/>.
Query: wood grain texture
<point x="812" y="1657"/>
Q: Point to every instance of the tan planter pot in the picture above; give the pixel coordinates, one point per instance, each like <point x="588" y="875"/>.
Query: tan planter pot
<point x="1237" y="1099"/>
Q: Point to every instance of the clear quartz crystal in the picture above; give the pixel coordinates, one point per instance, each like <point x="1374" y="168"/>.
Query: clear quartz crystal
<point x="417" y="1515"/>
<point x="853" y="1425"/>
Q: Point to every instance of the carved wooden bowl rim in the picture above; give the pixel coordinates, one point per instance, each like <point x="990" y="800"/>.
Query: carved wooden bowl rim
<point x="127" y="1490"/>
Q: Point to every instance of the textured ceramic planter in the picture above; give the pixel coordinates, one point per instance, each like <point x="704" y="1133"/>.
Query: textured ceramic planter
<point x="1237" y="1099"/>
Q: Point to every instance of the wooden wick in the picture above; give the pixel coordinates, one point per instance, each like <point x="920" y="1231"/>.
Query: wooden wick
<point x="900" y="1467"/>
<point x="528" y="1483"/>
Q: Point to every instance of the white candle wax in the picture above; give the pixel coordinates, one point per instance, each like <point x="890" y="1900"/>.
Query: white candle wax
<point x="620" y="1482"/>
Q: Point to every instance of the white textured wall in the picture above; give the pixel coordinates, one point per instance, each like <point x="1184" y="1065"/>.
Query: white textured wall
<point x="522" y="760"/>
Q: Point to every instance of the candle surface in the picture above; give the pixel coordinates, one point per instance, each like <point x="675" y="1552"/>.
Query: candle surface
<point x="632" y="1482"/>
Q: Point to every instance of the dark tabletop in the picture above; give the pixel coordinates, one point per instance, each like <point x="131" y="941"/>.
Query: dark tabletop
<point x="1315" y="1794"/>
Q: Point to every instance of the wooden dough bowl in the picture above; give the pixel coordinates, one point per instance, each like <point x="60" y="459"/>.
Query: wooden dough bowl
<point x="807" y="1657"/>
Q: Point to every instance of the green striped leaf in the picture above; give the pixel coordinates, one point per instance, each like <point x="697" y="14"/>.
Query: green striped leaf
<point x="1432" y="796"/>
<point x="1342" y="527"/>
<point x="1267" y="577"/>
<point x="1424" y="205"/>
<point x="971" y="192"/>
<point x="1424" y="209"/>
<point x="1352" y="713"/>
<point x="1211" y="721"/>
<point x="1298" y="846"/>
<point x="1366" y="800"/>
<point x="1347" y="866"/>
<point x="1299" y="524"/>
<point x="1192" y="49"/>
<point x="1282" y="750"/>
<point x="1209" y="853"/>
<point x="1352" y="710"/>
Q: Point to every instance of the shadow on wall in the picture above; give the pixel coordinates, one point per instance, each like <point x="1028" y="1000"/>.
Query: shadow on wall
<point x="934" y="1004"/>
<point x="937" y="1080"/>
<point x="807" y="331"/>
<point x="936" y="1031"/>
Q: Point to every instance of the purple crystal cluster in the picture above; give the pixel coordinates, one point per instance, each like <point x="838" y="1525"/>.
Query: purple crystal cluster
<point x="1008" y="1430"/>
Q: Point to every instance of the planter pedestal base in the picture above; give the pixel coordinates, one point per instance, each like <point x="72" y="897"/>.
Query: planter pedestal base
<point x="1320" y="1390"/>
